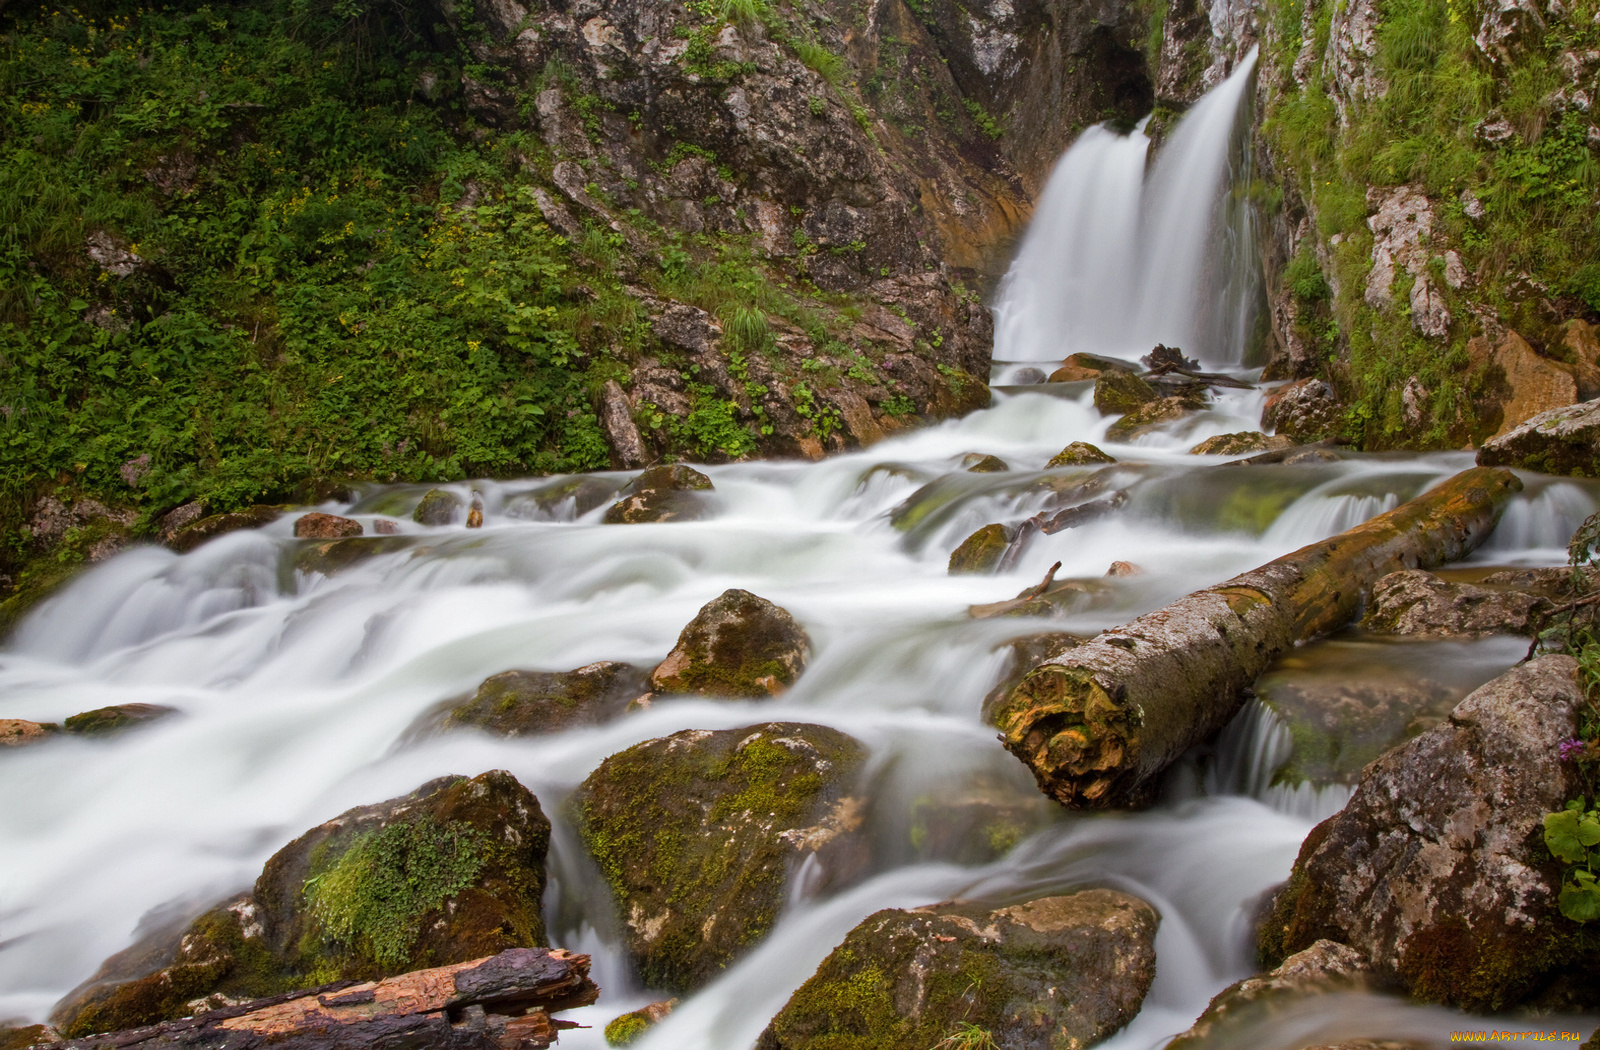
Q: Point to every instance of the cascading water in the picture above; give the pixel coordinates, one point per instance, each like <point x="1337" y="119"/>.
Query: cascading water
<point x="296" y="690"/>
<point x="1115" y="262"/>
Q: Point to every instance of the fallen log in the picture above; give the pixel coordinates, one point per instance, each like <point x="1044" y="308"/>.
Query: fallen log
<point x="1098" y="724"/>
<point x="502" y="1002"/>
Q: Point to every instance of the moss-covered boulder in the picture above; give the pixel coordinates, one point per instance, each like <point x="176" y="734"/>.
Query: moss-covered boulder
<point x="626" y="1029"/>
<point x="1413" y="601"/>
<point x="1150" y="416"/>
<point x="1116" y="393"/>
<point x="1305" y="410"/>
<point x="983" y="463"/>
<point x="668" y="493"/>
<point x="981" y="552"/>
<point x="1078" y="367"/>
<point x="330" y="557"/>
<point x="739" y="645"/>
<point x="1239" y="1011"/>
<point x="19" y="732"/>
<point x="20" y="1037"/>
<point x="696" y="834"/>
<point x="319" y="526"/>
<point x="107" y="721"/>
<point x="1055" y="972"/>
<point x="1563" y="441"/>
<point x="438" y="507"/>
<point x="191" y="536"/>
<point x="528" y="703"/>
<point x="1079" y="454"/>
<point x="1436" y="870"/>
<point x="1241" y="443"/>
<point x="452" y="872"/>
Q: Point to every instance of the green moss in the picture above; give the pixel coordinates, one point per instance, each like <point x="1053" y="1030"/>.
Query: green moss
<point x="980" y="552"/>
<point x="371" y="900"/>
<point x="622" y="1031"/>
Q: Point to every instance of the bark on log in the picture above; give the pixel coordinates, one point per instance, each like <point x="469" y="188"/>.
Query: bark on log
<point x="502" y="1002"/>
<point x="1099" y="724"/>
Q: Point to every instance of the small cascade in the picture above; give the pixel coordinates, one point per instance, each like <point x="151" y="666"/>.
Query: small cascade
<point x="1116" y="260"/>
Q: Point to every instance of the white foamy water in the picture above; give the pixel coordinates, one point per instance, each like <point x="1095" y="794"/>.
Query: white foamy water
<point x="296" y="692"/>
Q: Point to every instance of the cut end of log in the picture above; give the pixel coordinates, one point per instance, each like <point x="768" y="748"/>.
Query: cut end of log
<point x="1071" y="732"/>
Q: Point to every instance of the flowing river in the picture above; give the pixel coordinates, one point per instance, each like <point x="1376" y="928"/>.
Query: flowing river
<point x="296" y="690"/>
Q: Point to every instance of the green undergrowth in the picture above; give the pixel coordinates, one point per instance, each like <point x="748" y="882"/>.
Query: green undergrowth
<point x="291" y="284"/>
<point x="1535" y="241"/>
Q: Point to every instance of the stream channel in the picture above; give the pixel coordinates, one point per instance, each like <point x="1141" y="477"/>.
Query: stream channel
<point x="296" y="690"/>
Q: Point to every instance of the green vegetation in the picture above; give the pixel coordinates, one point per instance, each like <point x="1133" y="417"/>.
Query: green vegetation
<point x="624" y="1030"/>
<point x="1450" y="123"/>
<point x="370" y="902"/>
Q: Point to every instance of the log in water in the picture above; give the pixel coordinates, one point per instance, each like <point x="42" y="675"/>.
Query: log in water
<point x="1098" y="725"/>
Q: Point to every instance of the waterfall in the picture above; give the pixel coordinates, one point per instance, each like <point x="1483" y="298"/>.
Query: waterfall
<point x="1117" y="260"/>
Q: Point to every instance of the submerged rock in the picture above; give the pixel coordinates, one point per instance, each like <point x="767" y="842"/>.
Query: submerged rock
<point x="452" y="872"/>
<point x="1417" y="602"/>
<point x="319" y="526"/>
<point x="17" y="732"/>
<point x="697" y="832"/>
<point x="738" y="645"/>
<point x="334" y="556"/>
<point x="1116" y="393"/>
<point x="438" y="507"/>
<point x="1241" y="443"/>
<point x="189" y="537"/>
<point x="1079" y="367"/>
<point x="1337" y="727"/>
<point x="1149" y="416"/>
<point x="661" y="494"/>
<point x="982" y="463"/>
<point x="981" y="552"/>
<point x="1562" y="441"/>
<point x="107" y="721"/>
<point x="584" y="492"/>
<point x="1028" y="376"/>
<point x="1078" y="454"/>
<point x="529" y="703"/>
<point x="1436" y="869"/>
<point x="1055" y="972"/>
<point x="975" y="820"/>
<point x="1241" y="1007"/>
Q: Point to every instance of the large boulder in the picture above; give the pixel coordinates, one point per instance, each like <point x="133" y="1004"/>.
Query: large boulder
<point x="1534" y="384"/>
<point x="661" y="494"/>
<point x="1244" y="1006"/>
<point x="1081" y="366"/>
<point x="1561" y="441"/>
<point x="438" y="507"/>
<point x="1413" y="601"/>
<point x="1116" y="393"/>
<point x="1436" y="869"/>
<point x="452" y="872"/>
<point x="697" y="832"/>
<point x="1304" y="410"/>
<point x="1055" y="972"/>
<point x="739" y="645"/>
<point x="529" y="703"/>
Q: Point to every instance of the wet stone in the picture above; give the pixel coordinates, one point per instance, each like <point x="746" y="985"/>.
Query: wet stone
<point x="1150" y="416"/>
<point x="192" y="536"/>
<point x="438" y="507"/>
<point x="660" y="494"/>
<point x="334" y="556"/>
<point x="319" y="526"/>
<point x="982" y="463"/>
<point x="1417" y="602"/>
<point x="696" y="835"/>
<point x="1055" y="972"/>
<point x="108" y="721"/>
<point x="17" y="732"/>
<point x="1078" y="454"/>
<point x="980" y="552"/>
<point x="1078" y="367"/>
<point x="530" y="703"/>
<point x="739" y="645"/>
<point x="1233" y="1015"/>
<point x="628" y="1028"/>
<point x="1242" y="443"/>
<point x="1117" y="393"/>
<point x="1028" y="376"/>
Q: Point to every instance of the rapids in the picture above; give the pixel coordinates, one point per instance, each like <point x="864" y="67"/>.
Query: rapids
<point x="296" y="692"/>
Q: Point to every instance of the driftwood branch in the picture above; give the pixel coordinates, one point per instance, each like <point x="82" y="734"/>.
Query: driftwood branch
<point x="1542" y="622"/>
<point x="503" y="1002"/>
<point x="1099" y="724"/>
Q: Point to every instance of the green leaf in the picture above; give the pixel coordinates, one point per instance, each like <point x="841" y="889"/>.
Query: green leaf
<point x="1580" y="902"/>
<point x="1589" y="831"/>
<point x="1561" y="837"/>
